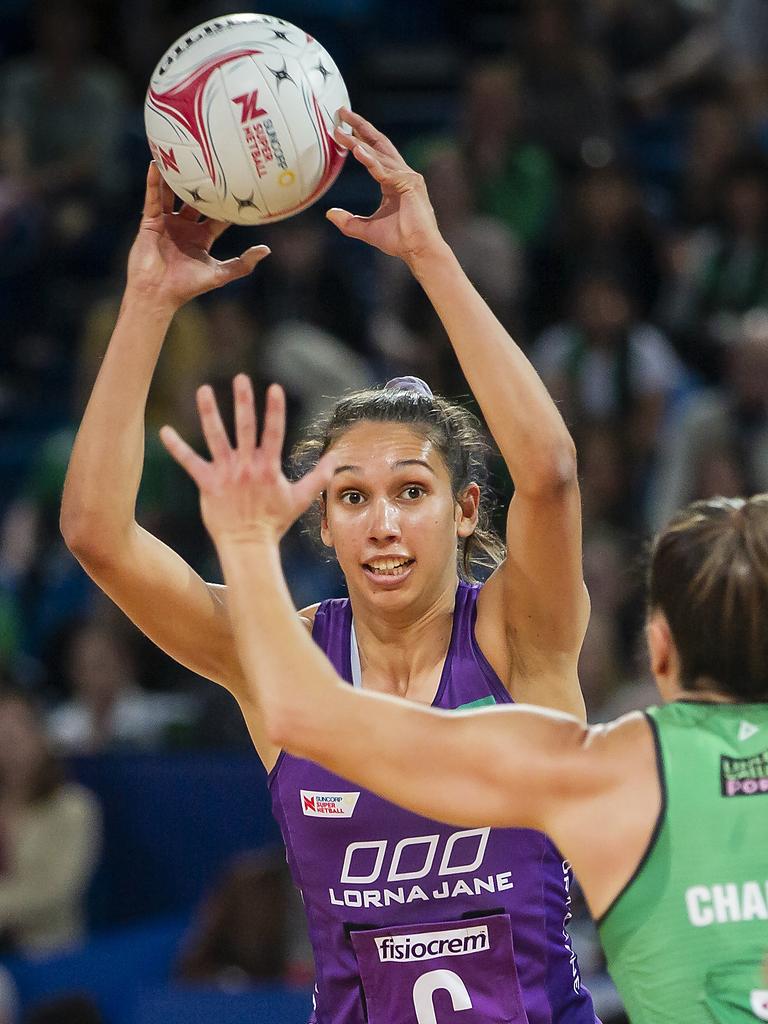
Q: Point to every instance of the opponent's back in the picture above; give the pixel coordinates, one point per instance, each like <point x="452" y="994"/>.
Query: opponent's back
<point x="687" y="940"/>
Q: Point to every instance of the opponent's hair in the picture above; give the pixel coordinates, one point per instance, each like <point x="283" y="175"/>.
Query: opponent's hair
<point x="709" y="576"/>
<point x="453" y="430"/>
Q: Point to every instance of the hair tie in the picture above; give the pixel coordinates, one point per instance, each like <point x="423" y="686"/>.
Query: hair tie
<point x="409" y="384"/>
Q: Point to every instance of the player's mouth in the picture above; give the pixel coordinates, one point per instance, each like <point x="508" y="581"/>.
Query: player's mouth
<point x="389" y="571"/>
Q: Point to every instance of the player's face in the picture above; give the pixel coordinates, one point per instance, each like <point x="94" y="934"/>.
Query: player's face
<point x="391" y="515"/>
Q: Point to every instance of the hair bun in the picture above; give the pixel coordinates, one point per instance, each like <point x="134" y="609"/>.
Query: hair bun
<point x="409" y="384"/>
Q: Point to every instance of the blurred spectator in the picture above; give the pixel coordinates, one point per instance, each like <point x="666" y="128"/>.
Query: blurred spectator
<point x="635" y="37"/>
<point x="51" y="834"/>
<point x="569" y="101"/>
<point x="514" y="179"/>
<point x="9" y="999"/>
<point x="108" y="709"/>
<point x="600" y="668"/>
<point x="605" y="365"/>
<point x="249" y="928"/>
<point x="716" y="134"/>
<point x="405" y="328"/>
<point x="69" y="1009"/>
<point x="61" y="121"/>
<point x="305" y="280"/>
<point x="62" y="108"/>
<point x="721" y="270"/>
<point x="604" y="227"/>
<point x="720" y="443"/>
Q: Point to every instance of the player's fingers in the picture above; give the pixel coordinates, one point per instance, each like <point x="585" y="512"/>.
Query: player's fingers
<point x="241" y="266"/>
<point x="186" y="457"/>
<point x="167" y="196"/>
<point x="367" y="132"/>
<point x="153" y="206"/>
<point x="189" y="213"/>
<point x="245" y="414"/>
<point x="273" y="431"/>
<point x="366" y="156"/>
<point x="210" y="420"/>
<point x="311" y="486"/>
<point x="391" y="163"/>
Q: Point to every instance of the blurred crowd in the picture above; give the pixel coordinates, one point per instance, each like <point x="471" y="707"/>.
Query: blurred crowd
<point x="600" y="167"/>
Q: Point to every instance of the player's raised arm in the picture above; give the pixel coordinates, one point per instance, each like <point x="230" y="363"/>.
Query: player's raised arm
<point x="537" y="596"/>
<point x="169" y="264"/>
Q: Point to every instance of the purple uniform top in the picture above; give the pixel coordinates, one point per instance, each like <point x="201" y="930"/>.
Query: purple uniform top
<point x="412" y="921"/>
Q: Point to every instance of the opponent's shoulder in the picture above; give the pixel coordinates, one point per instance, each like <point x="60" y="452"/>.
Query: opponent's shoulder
<point x="618" y="752"/>
<point x="307" y="615"/>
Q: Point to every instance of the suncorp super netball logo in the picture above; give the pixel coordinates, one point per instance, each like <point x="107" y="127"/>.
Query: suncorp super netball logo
<point x="328" y="805"/>
<point x="431" y="945"/>
<point x="744" y="776"/>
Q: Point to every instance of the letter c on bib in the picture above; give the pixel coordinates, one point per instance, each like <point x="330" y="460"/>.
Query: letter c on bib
<point x="428" y="984"/>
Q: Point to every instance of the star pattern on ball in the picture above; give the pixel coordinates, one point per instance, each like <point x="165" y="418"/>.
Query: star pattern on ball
<point x="281" y="74"/>
<point x="246" y="204"/>
<point x="323" y="70"/>
<point x="282" y="35"/>
<point x="194" y="195"/>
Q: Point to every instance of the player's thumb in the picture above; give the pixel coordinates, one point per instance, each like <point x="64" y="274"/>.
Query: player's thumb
<point x="347" y="223"/>
<point x="241" y="266"/>
<point x="310" y="486"/>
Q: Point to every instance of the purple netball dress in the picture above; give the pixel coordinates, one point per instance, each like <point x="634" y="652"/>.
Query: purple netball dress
<point x="411" y="921"/>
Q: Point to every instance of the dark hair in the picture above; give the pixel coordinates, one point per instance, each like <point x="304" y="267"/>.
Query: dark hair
<point x="49" y="775"/>
<point x="454" y="431"/>
<point x="74" y="1008"/>
<point x="709" y="576"/>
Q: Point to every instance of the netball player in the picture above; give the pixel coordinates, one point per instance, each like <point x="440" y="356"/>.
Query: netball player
<point x="404" y="519"/>
<point x="664" y="814"/>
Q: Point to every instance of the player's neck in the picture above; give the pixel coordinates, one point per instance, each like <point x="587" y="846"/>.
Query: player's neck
<point x="403" y="656"/>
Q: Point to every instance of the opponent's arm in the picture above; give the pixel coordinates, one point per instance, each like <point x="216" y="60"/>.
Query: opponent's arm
<point x="169" y="264"/>
<point x="538" y="594"/>
<point x="594" y="790"/>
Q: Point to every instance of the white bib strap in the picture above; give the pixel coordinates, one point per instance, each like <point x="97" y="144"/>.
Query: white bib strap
<point x="354" y="658"/>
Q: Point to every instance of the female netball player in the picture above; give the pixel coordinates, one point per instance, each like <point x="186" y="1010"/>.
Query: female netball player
<point x="403" y="518"/>
<point x="663" y="814"/>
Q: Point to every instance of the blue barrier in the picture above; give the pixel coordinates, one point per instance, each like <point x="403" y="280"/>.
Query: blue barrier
<point x="171" y="822"/>
<point x="126" y="972"/>
<point x="180" y="1006"/>
<point x="110" y="968"/>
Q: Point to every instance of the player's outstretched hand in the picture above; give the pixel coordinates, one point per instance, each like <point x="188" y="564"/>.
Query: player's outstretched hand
<point x="170" y="261"/>
<point x="244" y="494"/>
<point x="404" y="224"/>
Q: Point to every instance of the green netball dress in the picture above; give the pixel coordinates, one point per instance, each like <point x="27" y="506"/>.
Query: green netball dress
<point x="687" y="939"/>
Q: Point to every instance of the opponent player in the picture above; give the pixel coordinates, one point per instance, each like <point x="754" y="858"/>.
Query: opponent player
<point x="663" y="814"/>
<point x="402" y="513"/>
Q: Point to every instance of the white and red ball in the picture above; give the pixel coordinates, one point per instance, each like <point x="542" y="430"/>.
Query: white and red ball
<point x="239" y="116"/>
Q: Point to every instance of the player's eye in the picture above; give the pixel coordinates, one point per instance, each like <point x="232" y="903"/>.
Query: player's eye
<point x="413" y="491"/>
<point x="351" y="498"/>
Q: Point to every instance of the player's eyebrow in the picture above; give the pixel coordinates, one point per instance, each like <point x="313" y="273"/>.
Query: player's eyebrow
<point x="396" y="465"/>
<point x="414" y="462"/>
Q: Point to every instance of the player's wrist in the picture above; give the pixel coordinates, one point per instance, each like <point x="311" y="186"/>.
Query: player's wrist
<point x="261" y="538"/>
<point x="431" y="258"/>
<point x="147" y="301"/>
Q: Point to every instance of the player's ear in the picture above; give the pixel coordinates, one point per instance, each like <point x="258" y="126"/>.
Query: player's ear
<point x="661" y="648"/>
<point x="325" y="531"/>
<point x="467" y="510"/>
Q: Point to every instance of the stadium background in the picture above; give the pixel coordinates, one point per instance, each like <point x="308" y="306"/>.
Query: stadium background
<point x="599" y="167"/>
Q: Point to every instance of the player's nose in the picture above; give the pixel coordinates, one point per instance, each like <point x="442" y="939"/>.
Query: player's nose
<point x="384" y="522"/>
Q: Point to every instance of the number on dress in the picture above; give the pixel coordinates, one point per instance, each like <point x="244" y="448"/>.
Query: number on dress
<point x="431" y="982"/>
